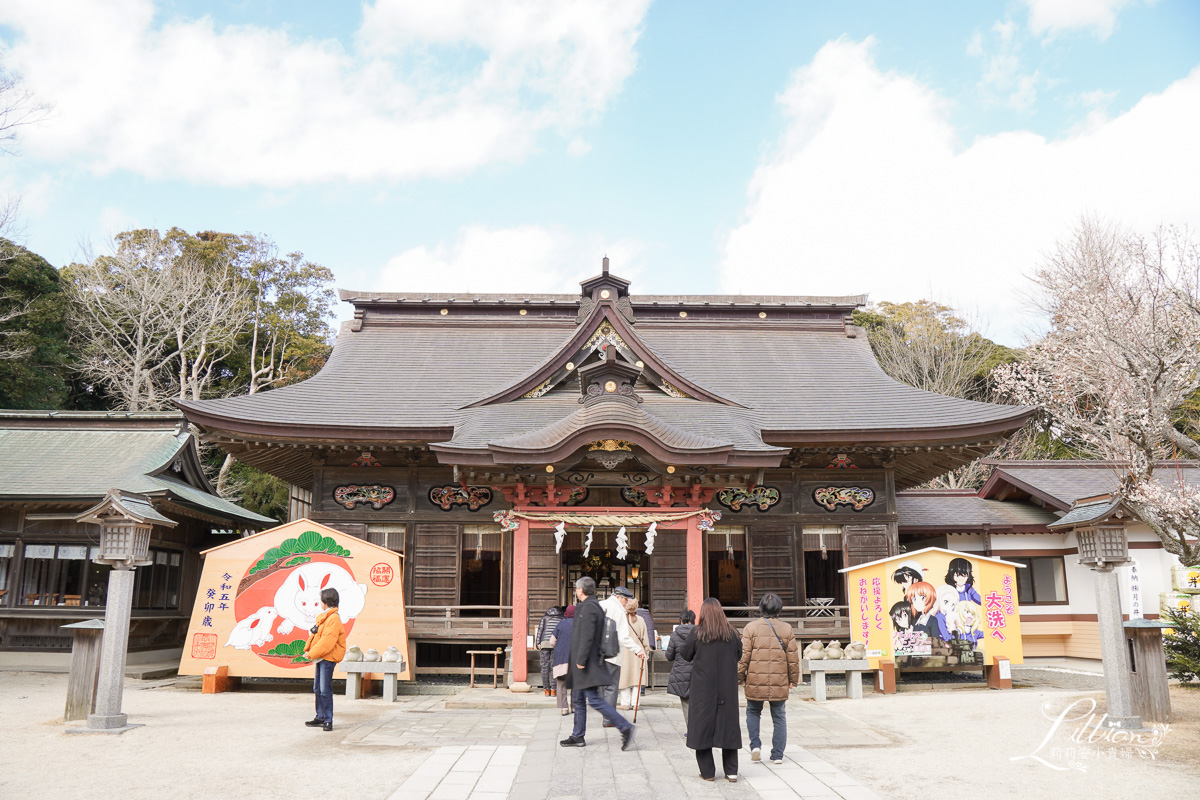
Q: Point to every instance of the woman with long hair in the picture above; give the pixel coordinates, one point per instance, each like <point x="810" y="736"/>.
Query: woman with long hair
<point x="713" y="647"/>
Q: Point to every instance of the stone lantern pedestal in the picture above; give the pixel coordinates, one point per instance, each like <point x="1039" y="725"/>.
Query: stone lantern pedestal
<point x="125" y="521"/>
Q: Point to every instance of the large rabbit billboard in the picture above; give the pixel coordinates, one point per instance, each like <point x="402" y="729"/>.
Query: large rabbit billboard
<point x="259" y="596"/>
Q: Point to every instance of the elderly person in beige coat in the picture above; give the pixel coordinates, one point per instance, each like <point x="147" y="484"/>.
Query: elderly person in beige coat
<point x="631" y="681"/>
<point x="769" y="668"/>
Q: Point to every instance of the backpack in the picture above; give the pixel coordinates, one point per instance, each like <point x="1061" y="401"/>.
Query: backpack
<point x="609" y="645"/>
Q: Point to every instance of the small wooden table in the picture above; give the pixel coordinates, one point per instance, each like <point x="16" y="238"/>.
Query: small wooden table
<point x="495" y="654"/>
<point x="852" y="667"/>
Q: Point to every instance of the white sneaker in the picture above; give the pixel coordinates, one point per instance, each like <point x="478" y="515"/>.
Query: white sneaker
<point x="731" y="778"/>
<point x="776" y="760"/>
<point x="756" y="754"/>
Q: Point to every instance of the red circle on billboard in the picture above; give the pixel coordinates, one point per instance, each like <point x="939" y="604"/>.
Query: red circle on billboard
<point x="381" y="574"/>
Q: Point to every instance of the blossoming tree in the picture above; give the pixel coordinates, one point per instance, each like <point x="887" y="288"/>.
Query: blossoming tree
<point x="1120" y="361"/>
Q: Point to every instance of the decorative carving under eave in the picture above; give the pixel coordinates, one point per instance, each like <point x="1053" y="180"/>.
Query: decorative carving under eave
<point x="365" y="459"/>
<point x="635" y="497"/>
<point x="376" y="495"/>
<point x="473" y="497"/>
<point x="674" y="391"/>
<point x="539" y="390"/>
<point x="761" y="496"/>
<point x="830" y="497"/>
<point x="612" y="460"/>
<point x="609" y="445"/>
<point x="841" y="461"/>
<point x="607" y="335"/>
<point x="585" y="309"/>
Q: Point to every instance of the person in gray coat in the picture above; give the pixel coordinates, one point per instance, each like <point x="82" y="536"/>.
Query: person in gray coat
<point x="680" y="679"/>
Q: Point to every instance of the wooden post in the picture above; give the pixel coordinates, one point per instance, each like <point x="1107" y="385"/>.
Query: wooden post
<point x="695" y="564"/>
<point x="1148" y="670"/>
<point x="520" y="604"/>
<point x="999" y="675"/>
<point x="885" y="677"/>
<point x="217" y="680"/>
<point x="85" y="668"/>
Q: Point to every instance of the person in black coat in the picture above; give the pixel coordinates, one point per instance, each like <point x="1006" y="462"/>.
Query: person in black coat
<point x="588" y="670"/>
<point x="680" y="679"/>
<point x="714" y="648"/>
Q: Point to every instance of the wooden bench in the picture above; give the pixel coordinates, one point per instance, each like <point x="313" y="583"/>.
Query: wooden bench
<point x="852" y="667"/>
<point x="356" y="669"/>
<point x="495" y="654"/>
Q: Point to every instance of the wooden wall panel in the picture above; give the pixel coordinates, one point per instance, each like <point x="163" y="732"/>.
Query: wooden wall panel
<point x="865" y="543"/>
<point x="772" y="562"/>
<point x="543" y="575"/>
<point x="435" y="569"/>
<point x="668" y="579"/>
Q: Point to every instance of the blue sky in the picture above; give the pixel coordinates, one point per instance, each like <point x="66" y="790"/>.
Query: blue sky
<point x="899" y="150"/>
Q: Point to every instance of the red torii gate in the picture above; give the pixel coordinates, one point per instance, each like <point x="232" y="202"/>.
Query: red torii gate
<point x="693" y="520"/>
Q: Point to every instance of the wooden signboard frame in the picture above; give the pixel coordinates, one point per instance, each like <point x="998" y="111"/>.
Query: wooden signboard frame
<point x="259" y="595"/>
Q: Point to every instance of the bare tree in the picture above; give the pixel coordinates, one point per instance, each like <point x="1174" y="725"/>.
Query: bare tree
<point x="930" y="346"/>
<point x="151" y="322"/>
<point x="1120" y="363"/>
<point x="18" y="109"/>
<point x="9" y="352"/>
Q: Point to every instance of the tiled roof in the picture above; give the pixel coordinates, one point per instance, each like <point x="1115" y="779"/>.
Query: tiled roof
<point x="421" y="376"/>
<point x="75" y="461"/>
<point x="1089" y="512"/>
<point x="965" y="510"/>
<point x="1061" y="483"/>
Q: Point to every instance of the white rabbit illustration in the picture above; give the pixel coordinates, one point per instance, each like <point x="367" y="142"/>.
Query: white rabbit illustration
<point x="254" y="630"/>
<point x="298" y="599"/>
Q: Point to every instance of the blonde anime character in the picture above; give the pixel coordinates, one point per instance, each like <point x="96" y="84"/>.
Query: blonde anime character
<point x="967" y="615"/>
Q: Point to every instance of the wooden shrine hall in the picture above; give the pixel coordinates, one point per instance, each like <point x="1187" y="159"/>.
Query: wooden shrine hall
<point x="755" y="439"/>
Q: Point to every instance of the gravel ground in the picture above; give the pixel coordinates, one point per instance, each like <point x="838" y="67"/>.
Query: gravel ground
<point x="975" y="744"/>
<point x="247" y="744"/>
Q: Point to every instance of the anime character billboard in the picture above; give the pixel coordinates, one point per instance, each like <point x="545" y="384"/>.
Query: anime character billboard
<point x="260" y="596"/>
<point x="943" y="609"/>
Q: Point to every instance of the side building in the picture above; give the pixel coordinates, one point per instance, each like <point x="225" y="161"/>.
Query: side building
<point x="54" y="466"/>
<point x="1019" y="515"/>
<point x="682" y="446"/>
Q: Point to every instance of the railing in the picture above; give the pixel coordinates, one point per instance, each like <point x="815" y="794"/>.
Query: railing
<point x="445" y="621"/>
<point x="810" y="621"/>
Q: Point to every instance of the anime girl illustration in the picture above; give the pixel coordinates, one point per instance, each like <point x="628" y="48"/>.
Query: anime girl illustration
<point x="961" y="576"/>
<point x="947" y="621"/>
<point x="902" y="616"/>
<point x="907" y="573"/>
<point x="923" y="598"/>
<point x="967" y="615"/>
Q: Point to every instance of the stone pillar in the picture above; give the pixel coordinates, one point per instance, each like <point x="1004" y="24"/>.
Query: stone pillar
<point x="110" y="687"/>
<point x="695" y="564"/>
<point x="1112" y="651"/>
<point x="520" y="604"/>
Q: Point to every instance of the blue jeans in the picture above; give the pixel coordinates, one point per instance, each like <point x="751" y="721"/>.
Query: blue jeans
<point x="778" y="725"/>
<point x="323" y="689"/>
<point x="594" y="695"/>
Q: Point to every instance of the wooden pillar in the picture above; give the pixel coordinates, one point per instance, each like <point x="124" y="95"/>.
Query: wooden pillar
<point x="520" y="604"/>
<point x="695" y="564"/>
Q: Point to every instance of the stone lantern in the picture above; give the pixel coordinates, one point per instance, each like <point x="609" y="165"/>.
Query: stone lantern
<point x="1099" y="527"/>
<point x="125" y="521"/>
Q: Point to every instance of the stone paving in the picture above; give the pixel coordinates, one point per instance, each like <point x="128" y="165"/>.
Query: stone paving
<point x="477" y="754"/>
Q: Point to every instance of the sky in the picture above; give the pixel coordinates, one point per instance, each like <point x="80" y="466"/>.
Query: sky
<point x="906" y="151"/>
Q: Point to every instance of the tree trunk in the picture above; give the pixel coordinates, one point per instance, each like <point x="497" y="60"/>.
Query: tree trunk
<point x="1185" y="443"/>
<point x="223" y="474"/>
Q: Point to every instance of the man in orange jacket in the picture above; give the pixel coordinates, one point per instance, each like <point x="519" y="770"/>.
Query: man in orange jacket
<point x="325" y="648"/>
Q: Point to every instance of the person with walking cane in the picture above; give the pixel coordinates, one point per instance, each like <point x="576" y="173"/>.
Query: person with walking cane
<point x="632" y="667"/>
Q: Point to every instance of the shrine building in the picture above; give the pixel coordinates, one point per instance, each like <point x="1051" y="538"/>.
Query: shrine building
<point x="745" y="444"/>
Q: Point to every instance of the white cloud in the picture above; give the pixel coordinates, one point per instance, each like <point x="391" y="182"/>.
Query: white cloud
<point x="526" y="258"/>
<point x="1054" y="16"/>
<point x="429" y="89"/>
<point x="578" y="148"/>
<point x="870" y="191"/>
<point x="1003" y="80"/>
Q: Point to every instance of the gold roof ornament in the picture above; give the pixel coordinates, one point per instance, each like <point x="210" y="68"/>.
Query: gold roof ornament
<point x="611" y="445"/>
